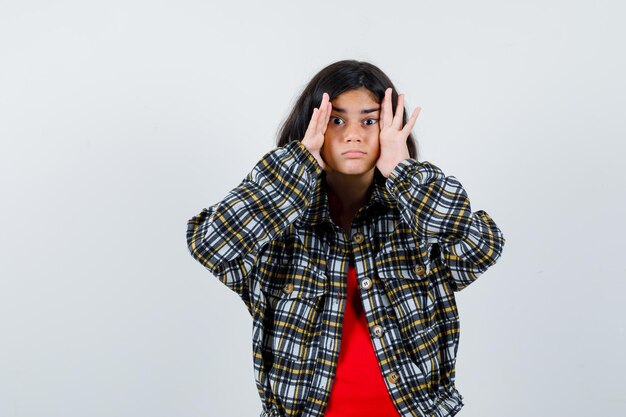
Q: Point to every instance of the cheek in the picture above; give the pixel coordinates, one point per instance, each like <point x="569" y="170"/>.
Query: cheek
<point x="329" y="144"/>
<point x="325" y="150"/>
<point x="376" y="152"/>
<point x="374" y="139"/>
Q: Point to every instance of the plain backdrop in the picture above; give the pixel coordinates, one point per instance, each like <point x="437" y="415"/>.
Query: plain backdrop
<point x="120" y="120"/>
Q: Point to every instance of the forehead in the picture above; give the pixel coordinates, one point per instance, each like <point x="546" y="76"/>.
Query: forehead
<point x="355" y="99"/>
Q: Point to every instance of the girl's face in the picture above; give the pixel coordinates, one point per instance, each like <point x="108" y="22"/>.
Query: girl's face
<point x="351" y="144"/>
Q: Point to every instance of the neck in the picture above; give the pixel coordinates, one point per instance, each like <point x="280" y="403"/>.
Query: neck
<point x="353" y="191"/>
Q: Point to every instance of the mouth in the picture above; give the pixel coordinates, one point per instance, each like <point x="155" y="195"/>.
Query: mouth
<point x="353" y="153"/>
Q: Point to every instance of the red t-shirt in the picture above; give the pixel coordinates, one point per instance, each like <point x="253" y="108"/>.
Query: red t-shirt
<point x="358" y="389"/>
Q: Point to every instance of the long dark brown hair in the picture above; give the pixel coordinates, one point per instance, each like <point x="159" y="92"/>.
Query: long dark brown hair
<point x="335" y="79"/>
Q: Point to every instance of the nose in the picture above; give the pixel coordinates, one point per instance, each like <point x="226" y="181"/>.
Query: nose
<point x="353" y="133"/>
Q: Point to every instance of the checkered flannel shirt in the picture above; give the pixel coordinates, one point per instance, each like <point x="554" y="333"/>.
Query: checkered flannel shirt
<point x="272" y="241"/>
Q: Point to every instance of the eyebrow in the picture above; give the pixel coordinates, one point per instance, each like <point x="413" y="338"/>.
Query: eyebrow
<point x="364" y="111"/>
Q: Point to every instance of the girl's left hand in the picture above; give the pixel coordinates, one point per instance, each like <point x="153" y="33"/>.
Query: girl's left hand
<point x="393" y="136"/>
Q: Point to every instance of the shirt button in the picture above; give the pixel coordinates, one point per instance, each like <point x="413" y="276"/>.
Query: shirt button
<point x="366" y="284"/>
<point x="419" y="269"/>
<point x="393" y="377"/>
<point x="358" y="238"/>
<point x="288" y="288"/>
<point x="377" y="330"/>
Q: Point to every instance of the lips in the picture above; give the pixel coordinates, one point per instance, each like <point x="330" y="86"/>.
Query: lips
<point x="353" y="152"/>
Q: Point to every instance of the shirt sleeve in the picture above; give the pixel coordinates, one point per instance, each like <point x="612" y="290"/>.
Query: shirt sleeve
<point x="438" y="210"/>
<point x="227" y="236"/>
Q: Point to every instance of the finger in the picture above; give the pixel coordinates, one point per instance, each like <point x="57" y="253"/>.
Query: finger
<point x="386" y="111"/>
<point x="411" y="122"/>
<point x="313" y="122"/>
<point x="324" y="113"/>
<point x="311" y="128"/>
<point x="381" y="119"/>
<point x="326" y="118"/>
<point x="399" y="114"/>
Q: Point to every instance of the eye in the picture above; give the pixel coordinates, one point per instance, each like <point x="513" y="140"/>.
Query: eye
<point x="336" y="120"/>
<point x="370" y="121"/>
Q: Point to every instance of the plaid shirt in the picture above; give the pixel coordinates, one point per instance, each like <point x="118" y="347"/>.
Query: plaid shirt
<point x="414" y="243"/>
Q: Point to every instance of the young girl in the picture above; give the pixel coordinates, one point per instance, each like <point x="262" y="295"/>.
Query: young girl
<point x="347" y="251"/>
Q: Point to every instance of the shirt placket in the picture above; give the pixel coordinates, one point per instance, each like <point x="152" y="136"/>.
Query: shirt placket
<point x="383" y="333"/>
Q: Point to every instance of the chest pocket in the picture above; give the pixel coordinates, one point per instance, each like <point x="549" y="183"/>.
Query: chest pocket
<point x="294" y="289"/>
<point x="403" y="256"/>
<point x="403" y="266"/>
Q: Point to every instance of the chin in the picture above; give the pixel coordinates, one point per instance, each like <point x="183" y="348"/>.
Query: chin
<point x="355" y="171"/>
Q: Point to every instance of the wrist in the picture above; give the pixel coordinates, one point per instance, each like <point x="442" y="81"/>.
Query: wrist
<point x="303" y="156"/>
<point x="313" y="153"/>
<point x="388" y="168"/>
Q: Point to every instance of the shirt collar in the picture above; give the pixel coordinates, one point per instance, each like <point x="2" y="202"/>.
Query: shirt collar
<point x="318" y="210"/>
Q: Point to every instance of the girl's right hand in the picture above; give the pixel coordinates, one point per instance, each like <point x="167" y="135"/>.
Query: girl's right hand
<point x="314" y="136"/>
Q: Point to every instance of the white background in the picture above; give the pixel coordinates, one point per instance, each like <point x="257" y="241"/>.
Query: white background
<point x="120" y="120"/>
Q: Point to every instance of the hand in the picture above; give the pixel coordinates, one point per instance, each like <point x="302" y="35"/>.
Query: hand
<point x="393" y="135"/>
<point x="314" y="136"/>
